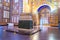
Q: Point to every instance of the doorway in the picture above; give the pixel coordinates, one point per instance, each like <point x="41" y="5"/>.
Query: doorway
<point x="44" y="20"/>
<point x="44" y="15"/>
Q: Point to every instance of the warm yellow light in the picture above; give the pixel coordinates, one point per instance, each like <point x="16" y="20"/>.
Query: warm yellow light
<point x="26" y="9"/>
<point x="53" y="8"/>
<point x="35" y="36"/>
<point x="59" y="4"/>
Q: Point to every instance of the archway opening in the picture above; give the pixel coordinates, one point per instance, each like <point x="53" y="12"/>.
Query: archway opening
<point x="44" y="14"/>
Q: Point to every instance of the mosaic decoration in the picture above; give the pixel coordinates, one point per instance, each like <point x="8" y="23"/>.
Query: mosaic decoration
<point x="44" y="6"/>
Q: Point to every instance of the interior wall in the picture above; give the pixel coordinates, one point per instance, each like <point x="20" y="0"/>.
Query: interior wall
<point x="58" y="14"/>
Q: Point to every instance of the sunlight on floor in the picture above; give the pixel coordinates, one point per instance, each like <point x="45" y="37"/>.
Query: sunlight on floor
<point x="44" y="28"/>
<point x="35" y="36"/>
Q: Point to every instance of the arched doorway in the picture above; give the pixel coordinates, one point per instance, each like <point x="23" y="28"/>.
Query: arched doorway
<point x="44" y="14"/>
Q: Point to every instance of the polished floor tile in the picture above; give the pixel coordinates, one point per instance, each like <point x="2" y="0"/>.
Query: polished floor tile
<point x="46" y="34"/>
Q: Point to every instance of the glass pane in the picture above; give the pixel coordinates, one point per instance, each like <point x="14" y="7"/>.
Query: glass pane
<point x="0" y="4"/>
<point x="7" y="0"/>
<point x="6" y="14"/>
<point x="0" y="1"/>
<point x="16" y="1"/>
<point x="6" y="8"/>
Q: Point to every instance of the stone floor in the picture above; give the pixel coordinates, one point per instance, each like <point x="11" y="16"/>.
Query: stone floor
<point x="51" y="33"/>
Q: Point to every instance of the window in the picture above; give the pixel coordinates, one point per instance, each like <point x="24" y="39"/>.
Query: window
<point x="7" y="0"/>
<point x="16" y="1"/>
<point x="17" y="11"/>
<point x="15" y="19"/>
<point x="6" y="14"/>
<point x="0" y="0"/>
<point x="0" y="4"/>
<point x="59" y="4"/>
<point x="6" y="8"/>
<point x="55" y="3"/>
